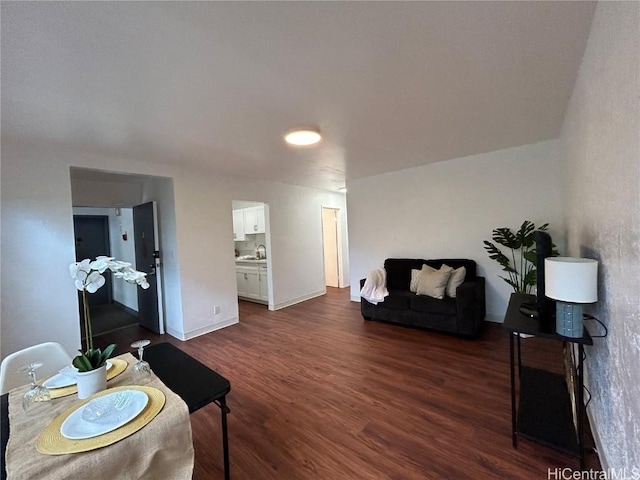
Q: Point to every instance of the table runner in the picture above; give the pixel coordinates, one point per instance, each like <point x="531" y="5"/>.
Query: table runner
<point x="162" y="449"/>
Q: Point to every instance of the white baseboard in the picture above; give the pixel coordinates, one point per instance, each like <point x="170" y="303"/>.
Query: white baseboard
<point x="304" y="298"/>
<point x="494" y="318"/>
<point x="201" y="331"/>
<point x="355" y="298"/>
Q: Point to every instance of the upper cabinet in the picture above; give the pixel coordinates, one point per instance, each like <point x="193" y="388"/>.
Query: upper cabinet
<point x="253" y="219"/>
<point x="238" y="225"/>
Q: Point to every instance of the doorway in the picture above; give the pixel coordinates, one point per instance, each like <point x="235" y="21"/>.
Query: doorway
<point x="331" y="247"/>
<point x="252" y="248"/>
<point x="109" y="306"/>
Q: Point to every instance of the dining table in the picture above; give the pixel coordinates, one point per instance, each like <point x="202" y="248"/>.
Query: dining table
<point x="161" y="448"/>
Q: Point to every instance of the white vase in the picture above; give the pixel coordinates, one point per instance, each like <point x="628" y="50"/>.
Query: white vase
<point x="91" y="382"/>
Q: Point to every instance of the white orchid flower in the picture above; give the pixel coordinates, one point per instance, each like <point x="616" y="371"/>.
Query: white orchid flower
<point x="77" y="267"/>
<point x="134" y="276"/>
<point x="80" y="278"/>
<point x="101" y="263"/>
<point x="118" y="265"/>
<point x="93" y="282"/>
<point x="88" y="274"/>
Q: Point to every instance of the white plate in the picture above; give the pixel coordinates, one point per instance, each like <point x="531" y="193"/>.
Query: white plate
<point x="104" y="414"/>
<point x="66" y="379"/>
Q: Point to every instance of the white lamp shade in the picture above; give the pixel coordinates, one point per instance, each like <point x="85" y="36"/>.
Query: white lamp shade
<point x="571" y="279"/>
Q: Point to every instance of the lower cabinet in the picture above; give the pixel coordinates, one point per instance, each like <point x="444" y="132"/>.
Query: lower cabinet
<point x="264" y="283"/>
<point x="248" y="282"/>
<point x="252" y="283"/>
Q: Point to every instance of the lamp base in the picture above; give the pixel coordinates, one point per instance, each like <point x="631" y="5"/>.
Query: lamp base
<point x="569" y="319"/>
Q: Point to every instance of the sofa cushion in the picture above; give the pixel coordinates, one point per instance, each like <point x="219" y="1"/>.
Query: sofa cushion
<point x="415" y="274"/>
<point x="415" y="277"/>
<point x="426" y="304"/>
<point x="455" y="280"/>
<point x="433" y="282"/>
<point x="397" y="300"/>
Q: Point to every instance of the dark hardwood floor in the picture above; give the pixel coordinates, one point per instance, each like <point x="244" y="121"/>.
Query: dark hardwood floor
<point x="318" y="393"/>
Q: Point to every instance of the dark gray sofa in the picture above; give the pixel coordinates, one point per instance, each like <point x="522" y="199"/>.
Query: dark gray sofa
<point x="462" y="315"/>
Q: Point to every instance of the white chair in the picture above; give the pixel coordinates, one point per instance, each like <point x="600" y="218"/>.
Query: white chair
<point x="52" y="356"/>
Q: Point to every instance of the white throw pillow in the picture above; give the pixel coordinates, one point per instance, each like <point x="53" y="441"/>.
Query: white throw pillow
<point x="455" y="280"/>
<point x="415" y="274"/>
<point x="433" y="283"/>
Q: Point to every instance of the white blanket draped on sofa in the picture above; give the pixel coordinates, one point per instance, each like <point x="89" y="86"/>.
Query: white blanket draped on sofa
<point x="375" y="286"/>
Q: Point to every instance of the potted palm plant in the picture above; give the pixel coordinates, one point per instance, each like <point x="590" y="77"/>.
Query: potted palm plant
<point x="91" y="376"/>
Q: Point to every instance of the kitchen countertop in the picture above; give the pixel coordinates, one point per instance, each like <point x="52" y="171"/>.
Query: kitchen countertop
<point x="262" y="261"/>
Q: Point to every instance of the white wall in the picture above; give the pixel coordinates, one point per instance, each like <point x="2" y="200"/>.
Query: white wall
<point x="124" y="250"/>
<point x="601" y="141"/>
<point x="447" y="209"/>
<point x="37" y="224"/>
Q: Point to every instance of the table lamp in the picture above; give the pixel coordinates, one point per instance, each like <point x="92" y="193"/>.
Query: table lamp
<point x="572" y="282"/>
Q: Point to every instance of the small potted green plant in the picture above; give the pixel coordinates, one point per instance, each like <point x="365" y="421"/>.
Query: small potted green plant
<point x="521" y="267"/>
<point x="91" y="376"/>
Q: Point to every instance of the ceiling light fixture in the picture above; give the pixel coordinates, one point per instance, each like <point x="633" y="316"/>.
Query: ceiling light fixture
<point x="303" y="136"/>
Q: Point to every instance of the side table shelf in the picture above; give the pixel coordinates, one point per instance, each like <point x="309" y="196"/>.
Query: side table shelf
<point x="544" y="412"/>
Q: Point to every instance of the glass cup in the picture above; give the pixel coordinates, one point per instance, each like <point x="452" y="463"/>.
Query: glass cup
<point x="142" y="369"/>
<point x="37" y="398"/>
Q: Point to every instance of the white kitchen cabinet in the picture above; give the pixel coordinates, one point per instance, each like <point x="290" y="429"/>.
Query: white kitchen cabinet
<point x="260" y="219"/>
<point x="238" y="224"/>
<point x="248" y="282"/>
<point x="264" y="283"/>
<point x="254" y="220"/>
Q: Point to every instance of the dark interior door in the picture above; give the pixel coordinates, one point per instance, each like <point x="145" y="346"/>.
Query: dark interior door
<point x="92" y="240"/>
<point x="145" y="244"/>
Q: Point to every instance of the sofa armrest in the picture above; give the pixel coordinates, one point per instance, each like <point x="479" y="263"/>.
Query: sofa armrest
<point x="470" y="304"/>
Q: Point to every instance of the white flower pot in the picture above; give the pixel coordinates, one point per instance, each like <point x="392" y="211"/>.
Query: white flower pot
<point x="91" y="382"/>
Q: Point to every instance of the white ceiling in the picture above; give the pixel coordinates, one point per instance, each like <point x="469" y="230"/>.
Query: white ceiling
<point x="215" y="84"/>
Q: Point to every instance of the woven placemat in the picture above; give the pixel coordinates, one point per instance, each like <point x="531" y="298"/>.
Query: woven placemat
<point x="51" y="441"/>
<point x="119" y="366"/>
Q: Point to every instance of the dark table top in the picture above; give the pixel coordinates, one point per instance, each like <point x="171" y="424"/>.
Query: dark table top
<point x="545" y="326"/>
<point x="194" y="382"/>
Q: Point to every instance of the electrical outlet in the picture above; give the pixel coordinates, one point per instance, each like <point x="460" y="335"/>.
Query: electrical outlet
<point x="216" y="310"/>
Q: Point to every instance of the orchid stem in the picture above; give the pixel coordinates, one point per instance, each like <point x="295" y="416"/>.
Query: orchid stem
<point x="87" y="321"/>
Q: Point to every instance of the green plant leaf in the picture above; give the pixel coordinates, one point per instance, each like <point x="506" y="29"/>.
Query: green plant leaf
<point x="530" y="255"/>
<point x="107" y="353"/>
<point x="516" y="287"/>
<point x="526" y="234"/>
<point x="506" y="238"/>
<point x="530" y="279"/>
<point x="96" y="354"/>
<point x="82" y="363"/>
<point x="496" y="254"/>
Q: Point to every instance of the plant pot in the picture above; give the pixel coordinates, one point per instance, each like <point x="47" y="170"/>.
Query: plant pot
<point x="91" y="382"/>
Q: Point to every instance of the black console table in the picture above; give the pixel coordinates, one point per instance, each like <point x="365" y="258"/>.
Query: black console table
<point x="544" y="412"/>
